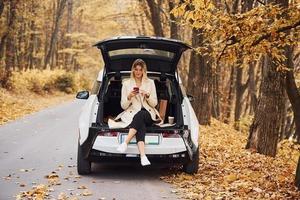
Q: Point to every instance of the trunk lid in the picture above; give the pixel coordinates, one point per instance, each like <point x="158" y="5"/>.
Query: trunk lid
<point x="160" y="54"/>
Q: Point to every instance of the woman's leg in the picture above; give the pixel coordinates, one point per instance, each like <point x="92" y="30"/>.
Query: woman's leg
<point x="134" y="127"/>
<point x="140" y="136"/>
<point x="141" y="146"/>
<point x="138" y="129"/>
<point x="123" y="147"/>
<point x="130" y="135"/>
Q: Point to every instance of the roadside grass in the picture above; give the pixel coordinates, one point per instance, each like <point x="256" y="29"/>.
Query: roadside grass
<point x="228" y="171"/>
<point x="14" y="106"/>
<point x="33" y="90"/>
<point x="47" y="81"/>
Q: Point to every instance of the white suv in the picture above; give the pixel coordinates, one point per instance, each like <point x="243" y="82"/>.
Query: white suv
<point x="171" y="144"/>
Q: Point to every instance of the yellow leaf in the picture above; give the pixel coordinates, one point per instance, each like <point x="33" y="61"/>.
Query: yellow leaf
<point x="230" y="178"/>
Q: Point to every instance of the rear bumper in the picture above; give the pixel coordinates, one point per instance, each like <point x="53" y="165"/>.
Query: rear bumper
<point x="165" y="146"/>
<point x="87" y="145"/>
<point x="168" y="159"/>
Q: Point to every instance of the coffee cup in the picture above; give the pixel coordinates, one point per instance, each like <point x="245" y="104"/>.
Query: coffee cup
<point x="171" y="120"/>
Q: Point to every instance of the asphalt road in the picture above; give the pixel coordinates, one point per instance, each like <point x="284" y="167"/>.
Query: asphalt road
<point x="44" y="142"/>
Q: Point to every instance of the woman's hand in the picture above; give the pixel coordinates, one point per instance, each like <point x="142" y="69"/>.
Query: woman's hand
<point x="132" y="94"/>
<point x="144" y="93"/>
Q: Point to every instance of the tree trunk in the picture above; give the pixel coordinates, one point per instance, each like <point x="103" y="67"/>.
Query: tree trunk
<point x="252" y="88"/>
<point x="230" y="95"/>
<point x="292" y="91"/>
<point x="10" y="39"/>
<point x="139" y="23"/>
<point x="143" y="27"/>
<point x="216" y="93"/>
<point x="4" y="36"/>
<point x="297" y="179"/>
<point x="200" y="82"/>
<point x="240" y="87"/>
<point x="1" y="7"/>
<point x="173" y="26"/>
<point x="59" y="13"/>
<point x="7" y="42"/>
<point x="32" y="39"/>
<point x="240" y="90"/>
<point x="284" y="117"/>
<point x="264" y="131"/>
<point x="155" y="18"/>
<point x="20" y="41"/>
<point x="69" y="31"/>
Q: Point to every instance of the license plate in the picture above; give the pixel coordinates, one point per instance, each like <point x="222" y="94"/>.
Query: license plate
<point x="149" y="139"/>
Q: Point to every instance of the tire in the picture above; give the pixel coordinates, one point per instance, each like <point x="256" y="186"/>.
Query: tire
<point x="83" y="165"/>
<point x="192" y="166"/>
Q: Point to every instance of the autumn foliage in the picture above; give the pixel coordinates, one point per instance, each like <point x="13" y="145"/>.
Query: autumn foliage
<point x="230" y="36"/>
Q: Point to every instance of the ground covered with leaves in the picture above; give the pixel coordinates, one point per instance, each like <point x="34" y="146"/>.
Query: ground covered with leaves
<point x="228" y="171"/>
<point x="16" y="105"/>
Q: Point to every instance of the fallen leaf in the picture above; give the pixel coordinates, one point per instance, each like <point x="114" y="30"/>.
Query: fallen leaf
<point x="258" y="190"/>
<point x="81" y="187"/>
<point x="230" y="178"/>
<point x="22" y="184"/>
<point x="229" y="171"/>
<point x="8" y="177"/>
<point x="62" y="196"/>
<point x="38" y="192"/>
<point x="86" y="193"/>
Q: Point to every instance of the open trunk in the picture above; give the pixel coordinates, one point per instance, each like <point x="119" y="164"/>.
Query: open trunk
<point x="166" y="89"/>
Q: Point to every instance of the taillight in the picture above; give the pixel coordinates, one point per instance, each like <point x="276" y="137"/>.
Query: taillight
<point x="171" y="134"/>
<point x="108" y="134"/>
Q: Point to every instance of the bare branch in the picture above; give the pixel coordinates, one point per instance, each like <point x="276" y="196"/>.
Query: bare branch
<point x="261" y="2"/>
<point x="222" y="53"/>
<point x="282" y="29"/>
<point x="235" y="40"/>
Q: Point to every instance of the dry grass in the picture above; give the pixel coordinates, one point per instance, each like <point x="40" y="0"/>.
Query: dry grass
<point x="14" y="106"/>
<point x="33" y="90"/>
<point x="47" y="81"/>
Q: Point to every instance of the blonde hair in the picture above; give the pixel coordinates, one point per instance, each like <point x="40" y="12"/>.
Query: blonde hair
<point x="141" y="63"/>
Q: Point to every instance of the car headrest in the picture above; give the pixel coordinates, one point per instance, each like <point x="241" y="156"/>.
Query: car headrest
<point x="163" y="77"/>
<point x="118" y="76"/>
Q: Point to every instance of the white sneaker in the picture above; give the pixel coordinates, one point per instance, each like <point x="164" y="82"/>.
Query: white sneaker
<point x="145" y="161"/>
<point x="122" y="147"/>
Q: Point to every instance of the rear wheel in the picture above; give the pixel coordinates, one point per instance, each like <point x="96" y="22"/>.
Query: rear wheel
<point x="83" y="165"/>
<point x="192" y="166"/>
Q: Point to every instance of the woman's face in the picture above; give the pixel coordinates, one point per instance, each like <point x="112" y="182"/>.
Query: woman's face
<point x="138" y="71"/>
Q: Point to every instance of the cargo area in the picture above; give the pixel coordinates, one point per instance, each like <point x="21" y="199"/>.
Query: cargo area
<point x="166" y="94"/>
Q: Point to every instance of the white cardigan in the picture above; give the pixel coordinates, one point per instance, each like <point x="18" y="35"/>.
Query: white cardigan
<point x="135" y="104"/>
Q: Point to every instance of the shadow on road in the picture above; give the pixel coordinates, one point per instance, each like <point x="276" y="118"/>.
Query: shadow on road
<point x="130" y="171"/>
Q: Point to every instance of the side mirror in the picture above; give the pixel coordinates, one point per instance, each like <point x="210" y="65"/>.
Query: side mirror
<point x="83" y="95"/>
<point x="190" y="97"/>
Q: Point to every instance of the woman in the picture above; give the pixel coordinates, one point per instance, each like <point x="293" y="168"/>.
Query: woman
<point x="138" y="100"/>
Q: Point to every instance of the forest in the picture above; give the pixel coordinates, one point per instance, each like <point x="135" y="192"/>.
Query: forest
<point x="243" y="70"/>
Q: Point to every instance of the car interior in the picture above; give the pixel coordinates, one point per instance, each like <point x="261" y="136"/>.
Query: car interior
<point x="112" y="95"/>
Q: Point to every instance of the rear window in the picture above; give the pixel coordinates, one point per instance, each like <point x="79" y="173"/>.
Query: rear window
<point x="133" y="51"/>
